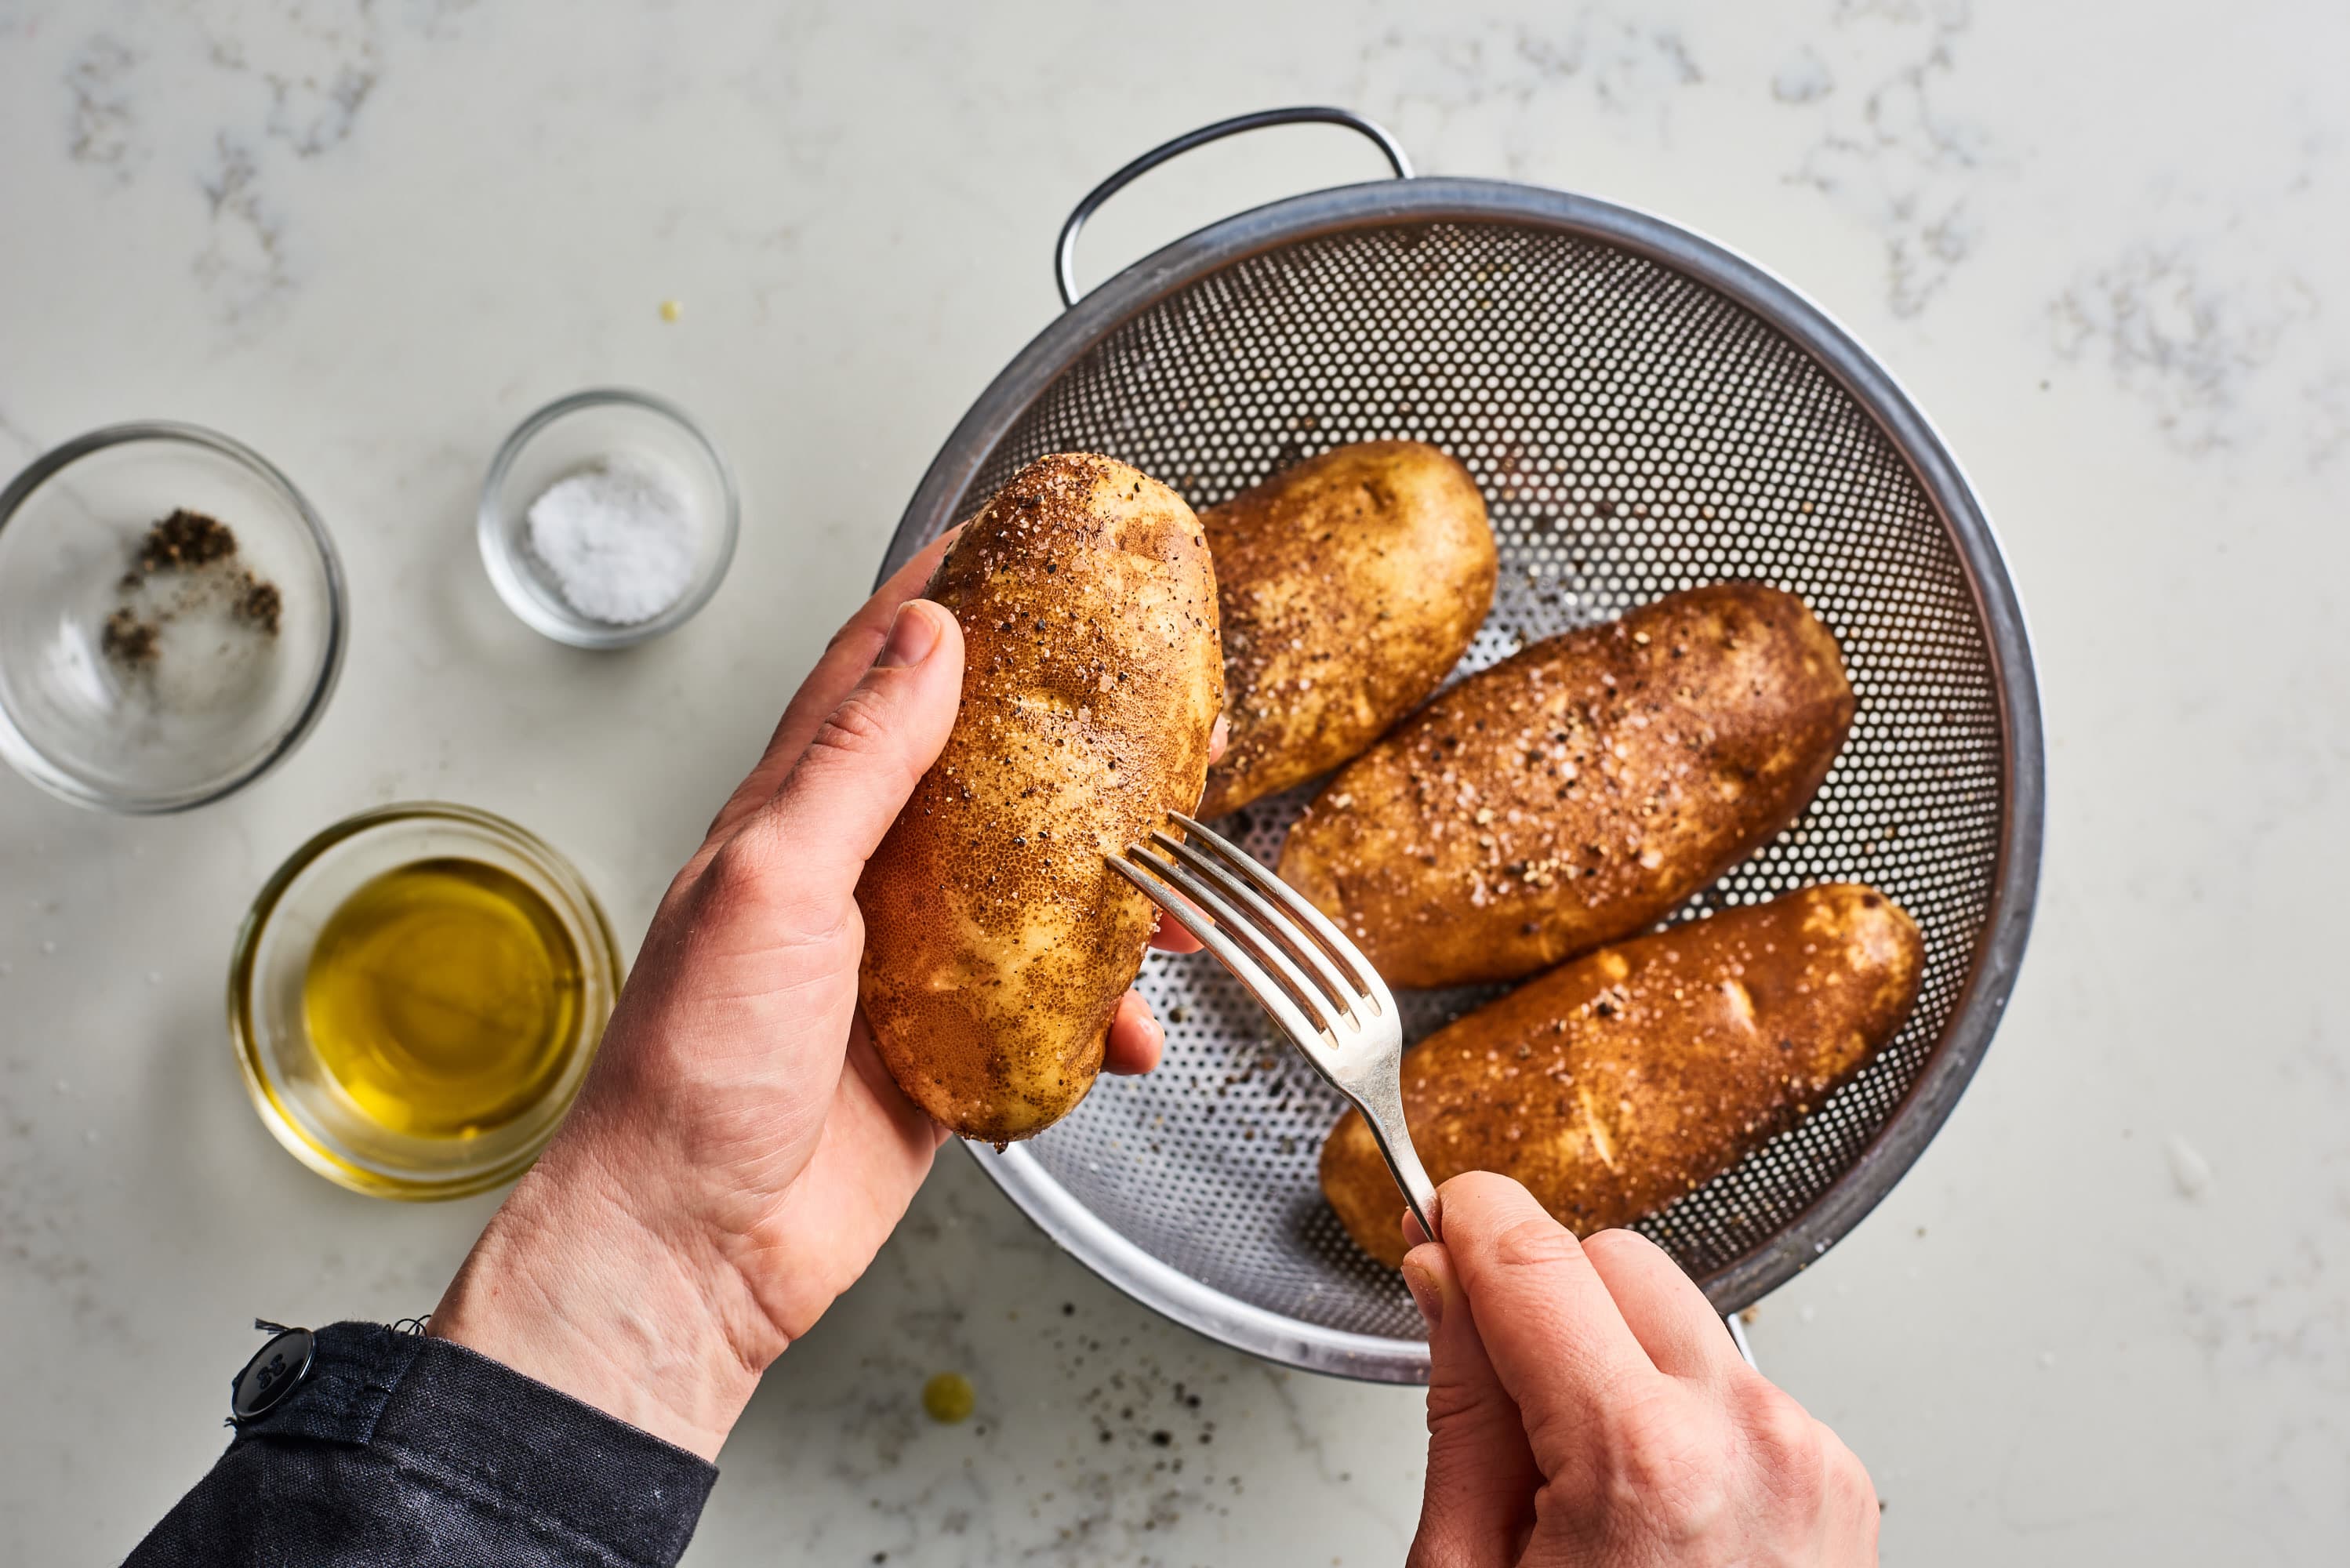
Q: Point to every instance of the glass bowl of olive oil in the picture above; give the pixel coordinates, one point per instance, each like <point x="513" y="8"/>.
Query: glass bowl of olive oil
<point x="415" y="999"/>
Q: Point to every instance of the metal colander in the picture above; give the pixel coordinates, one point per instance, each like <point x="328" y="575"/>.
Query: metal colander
<point x="1644" y="411"/>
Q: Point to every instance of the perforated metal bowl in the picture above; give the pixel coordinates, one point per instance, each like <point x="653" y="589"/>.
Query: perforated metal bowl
<point x="1644" y="411"/>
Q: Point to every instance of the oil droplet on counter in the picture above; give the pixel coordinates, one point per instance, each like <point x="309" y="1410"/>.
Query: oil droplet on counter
<point x="949" y="1398"/>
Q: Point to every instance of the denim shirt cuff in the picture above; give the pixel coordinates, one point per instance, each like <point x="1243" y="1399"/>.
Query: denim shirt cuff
<point x="468" y="1425"/>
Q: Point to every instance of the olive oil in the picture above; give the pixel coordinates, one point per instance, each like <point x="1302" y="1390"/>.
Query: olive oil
<point x="444" y="997"/>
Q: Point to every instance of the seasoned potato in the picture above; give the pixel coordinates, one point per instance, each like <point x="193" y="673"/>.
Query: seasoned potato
<point x="1614" y="1084"/>
<point x="997" y="941"/>
<point x="1348" y="586"/>
<point x="1578" y="791"/>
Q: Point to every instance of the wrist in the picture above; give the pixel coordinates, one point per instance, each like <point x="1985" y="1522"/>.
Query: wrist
<point x="572" y="1285"/>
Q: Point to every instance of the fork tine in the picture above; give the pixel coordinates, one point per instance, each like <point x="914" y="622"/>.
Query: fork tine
<point x="1363" y="1065"/>
<point x="1273" y="921"/>
<point x="1316" y="1007"/>
<point x="1366" y="979"/>
<point x="1242" y="967"/>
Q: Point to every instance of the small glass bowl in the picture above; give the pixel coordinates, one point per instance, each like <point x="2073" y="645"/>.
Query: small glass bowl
<point x="219" y="702"/>
<point x="573" y="434"/>
<point x="300" y="1099"/>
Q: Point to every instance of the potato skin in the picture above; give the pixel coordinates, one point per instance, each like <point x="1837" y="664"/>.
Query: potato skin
<point x="1578" y="791"/>
<point x="997" y="940"/>
<point x="1614" y="1084"/>
<point x="1348" y="587"/>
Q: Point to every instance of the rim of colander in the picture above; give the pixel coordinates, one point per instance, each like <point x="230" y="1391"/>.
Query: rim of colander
<point x="2007" y="924"/>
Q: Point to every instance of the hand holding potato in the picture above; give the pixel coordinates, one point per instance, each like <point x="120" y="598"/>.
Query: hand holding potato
<point x="1002" y="942"/>
<point x="1585" y="1407"/>
<point x="739" y="1153"/>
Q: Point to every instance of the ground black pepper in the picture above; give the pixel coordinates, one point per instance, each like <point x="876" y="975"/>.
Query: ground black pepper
<point x="200" y="553"/>
<point x="261" y="604"/>
<point x="184" y="541"/>
<point x="127" y="639"/>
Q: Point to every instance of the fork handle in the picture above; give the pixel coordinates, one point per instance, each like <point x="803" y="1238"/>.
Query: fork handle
<point x="1382" y="1107"/>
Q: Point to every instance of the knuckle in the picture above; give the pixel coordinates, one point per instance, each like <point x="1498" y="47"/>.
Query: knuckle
<point x="1848" y="1485"/>
<point x="1788" y="1445"/>
<point x="1604" y="1247"/>
<point x="749" y="888"/>
<point x="742" y="882"/>
<point x="1782" y="1426"/>
<point x="740" y="872"/>
<point x="1666" y="1461"/>
<point x="862" y="732"/>
<point x="1652" y="1437"/>
<point x="858" y="728"/>
<point x="1450" y="1402"/>
<point x="1535" y="1242"/>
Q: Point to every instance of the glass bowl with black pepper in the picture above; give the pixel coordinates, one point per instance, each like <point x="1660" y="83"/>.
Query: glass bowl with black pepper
<point x="172" y="618"/>
<point x="608" y="518"/>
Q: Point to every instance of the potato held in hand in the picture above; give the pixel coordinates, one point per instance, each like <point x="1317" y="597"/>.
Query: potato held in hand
<point x="1578" y="791"/>
<point x="1349" y="587"/>
<point x="997" y="940"/>
<point x="1613" y="1084"/>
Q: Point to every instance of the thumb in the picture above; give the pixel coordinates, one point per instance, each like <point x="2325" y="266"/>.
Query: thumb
<point x="844" y="790"/>
<point x="1481" y="1479"/>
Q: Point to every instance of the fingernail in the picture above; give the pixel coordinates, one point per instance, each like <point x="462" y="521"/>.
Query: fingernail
<point x="1425" y="1294"/>
<point x="912" y="635"/>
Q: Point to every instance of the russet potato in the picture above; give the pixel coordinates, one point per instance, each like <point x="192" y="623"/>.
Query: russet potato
<point x="1614" y="1084"/>
<point x="997" y="940"/>
<point x="1578" y="791"/>
<point x="1348" y="587"/>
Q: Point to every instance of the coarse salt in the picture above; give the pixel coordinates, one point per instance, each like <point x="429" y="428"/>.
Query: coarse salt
<point x="619" y="538"/>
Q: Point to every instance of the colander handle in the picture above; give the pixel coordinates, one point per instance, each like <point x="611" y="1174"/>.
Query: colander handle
<point x="1064" y="254"/>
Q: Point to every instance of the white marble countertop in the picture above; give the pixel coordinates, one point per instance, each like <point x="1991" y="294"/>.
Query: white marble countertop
<point x="2106" y="1318"/>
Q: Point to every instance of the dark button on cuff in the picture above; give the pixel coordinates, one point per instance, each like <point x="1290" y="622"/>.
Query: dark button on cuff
<point x="271" y="1373"/>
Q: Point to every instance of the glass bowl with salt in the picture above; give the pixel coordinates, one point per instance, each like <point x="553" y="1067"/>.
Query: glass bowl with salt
<point x="608" y="518"/>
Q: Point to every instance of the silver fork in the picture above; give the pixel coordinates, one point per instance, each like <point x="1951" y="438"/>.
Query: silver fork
<point x="1335" y="1009"/>
<point x="1322" y="992"/>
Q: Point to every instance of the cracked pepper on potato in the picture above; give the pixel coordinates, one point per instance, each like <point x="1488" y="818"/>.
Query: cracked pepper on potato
<point x="1578" y="791"/>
